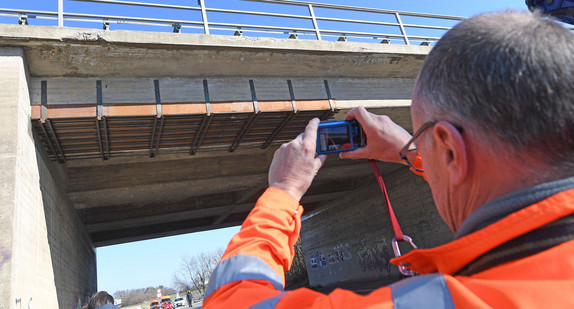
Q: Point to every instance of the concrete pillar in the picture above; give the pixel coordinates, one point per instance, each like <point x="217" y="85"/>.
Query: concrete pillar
<point x="348" y="242"/>
<point x="46" y="257"/>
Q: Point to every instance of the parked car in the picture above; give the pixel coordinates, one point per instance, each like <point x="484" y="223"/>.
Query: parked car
<point x="154" y="304"/>
<point x="178" y="302"/>
<point x="166" y="303"/>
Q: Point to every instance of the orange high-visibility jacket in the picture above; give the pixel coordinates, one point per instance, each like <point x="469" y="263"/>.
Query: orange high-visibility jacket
<point x="251" y="272"/>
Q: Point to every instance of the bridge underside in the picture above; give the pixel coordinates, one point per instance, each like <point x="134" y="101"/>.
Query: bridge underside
<point x="133" y="174"/>
<point x="157" y="134"/>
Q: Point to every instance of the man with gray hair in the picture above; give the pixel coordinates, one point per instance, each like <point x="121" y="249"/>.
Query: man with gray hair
<point x="493" y="113"/>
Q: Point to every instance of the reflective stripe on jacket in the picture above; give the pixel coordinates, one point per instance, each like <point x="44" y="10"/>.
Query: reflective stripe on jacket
<point x="251" y="272"/>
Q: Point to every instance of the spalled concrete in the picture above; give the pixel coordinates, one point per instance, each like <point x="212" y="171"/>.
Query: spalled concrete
<point x="53" y="51"/>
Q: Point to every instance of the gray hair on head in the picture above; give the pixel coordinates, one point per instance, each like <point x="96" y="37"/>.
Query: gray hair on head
<point x="510" y="75"/>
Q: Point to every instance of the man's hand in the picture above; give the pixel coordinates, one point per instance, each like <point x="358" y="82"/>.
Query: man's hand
<point x="384" y="137"/>
<point x="295" y="164"/>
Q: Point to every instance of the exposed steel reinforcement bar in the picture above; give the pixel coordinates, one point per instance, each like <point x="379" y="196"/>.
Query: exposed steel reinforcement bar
<point x="75" y="131"/>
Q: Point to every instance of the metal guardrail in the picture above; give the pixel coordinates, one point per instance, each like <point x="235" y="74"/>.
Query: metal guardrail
<point x="321" y="16"/>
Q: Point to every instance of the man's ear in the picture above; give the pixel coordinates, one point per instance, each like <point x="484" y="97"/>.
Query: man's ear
<point x="451" y="150"/>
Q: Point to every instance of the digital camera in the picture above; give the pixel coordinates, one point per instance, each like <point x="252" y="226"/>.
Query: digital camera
<point x="339" y="136"/>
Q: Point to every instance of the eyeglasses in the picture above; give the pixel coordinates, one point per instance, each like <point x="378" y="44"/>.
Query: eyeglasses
<point x="403" y="153"/>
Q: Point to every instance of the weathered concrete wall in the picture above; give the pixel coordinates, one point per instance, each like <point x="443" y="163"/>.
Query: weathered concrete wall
<point x="12" y="69"/>
<point x="350" y="240"/>
<point x="44" y="247"/>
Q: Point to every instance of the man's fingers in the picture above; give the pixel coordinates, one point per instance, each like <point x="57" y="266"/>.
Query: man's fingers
<point x="352" y="114"/>
<point x="311" y="130"/>
<point x="318" y="163"/>
<point x="357" y="153"/>
<point x="357" y="113"/>
<point x="310" y="135"/>
<point x="320" y="160"/>
<point x="295" y="164"/>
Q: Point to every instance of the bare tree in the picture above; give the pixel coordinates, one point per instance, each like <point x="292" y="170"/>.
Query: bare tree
<point x="196" y="270"/>
<point x="181" y="284"/>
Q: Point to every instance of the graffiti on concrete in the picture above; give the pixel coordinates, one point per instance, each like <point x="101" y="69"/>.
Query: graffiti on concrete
<point x="4" y="256"/>
<point x="19" y="302"/>
<point x="339" y="253"/>
<point x="374" y="256"/>
<point x="313" y="262"/>
<point x="318" y="260"/>
<point x="77" y="301"/>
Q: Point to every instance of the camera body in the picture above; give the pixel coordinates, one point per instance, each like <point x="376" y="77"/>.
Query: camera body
<point x="339" y="136"/>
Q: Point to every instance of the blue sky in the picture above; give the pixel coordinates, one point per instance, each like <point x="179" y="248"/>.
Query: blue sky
<point x="444" y="7"/>
<point x="153" y="262"/>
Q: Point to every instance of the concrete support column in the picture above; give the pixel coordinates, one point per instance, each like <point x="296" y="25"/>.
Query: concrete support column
<point x="44" y="248"/>
<point x="349" y="241"/>
<point x="9" y="88"/>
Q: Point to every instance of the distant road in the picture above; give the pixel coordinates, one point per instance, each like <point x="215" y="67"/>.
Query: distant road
<point x="196" y="305"/>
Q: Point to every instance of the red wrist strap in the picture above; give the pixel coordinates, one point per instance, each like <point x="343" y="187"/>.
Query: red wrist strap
<point x="396" y="228"/>
<point x="394" y="222"/>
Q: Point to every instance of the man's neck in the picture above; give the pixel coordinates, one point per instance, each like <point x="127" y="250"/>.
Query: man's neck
<point x="493" y="175"/>
<point x="502" y="206"/>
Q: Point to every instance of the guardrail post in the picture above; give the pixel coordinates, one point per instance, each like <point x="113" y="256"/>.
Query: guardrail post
<point x="60" y="13"/>
<point x="22" y="19"/>
<point x="204" y="16"/>
<point x="315" y="26"/>
<point x="402" y="28"/>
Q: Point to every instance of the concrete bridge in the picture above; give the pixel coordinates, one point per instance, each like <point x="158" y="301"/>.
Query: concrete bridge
<point x="109" y="137"/>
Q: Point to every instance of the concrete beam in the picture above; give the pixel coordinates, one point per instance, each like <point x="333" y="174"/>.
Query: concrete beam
<point x="348" y="92"/>
<point x="117" y="185"/>
<point x="111" y="225"/>
<point x="56" y="51"/>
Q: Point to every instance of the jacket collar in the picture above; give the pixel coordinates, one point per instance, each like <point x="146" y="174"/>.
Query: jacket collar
<point x="451" y="257"/>
<point x="509" y="203"/>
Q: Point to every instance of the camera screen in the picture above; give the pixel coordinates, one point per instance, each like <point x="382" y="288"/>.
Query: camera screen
<point x="334" y="138"/>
